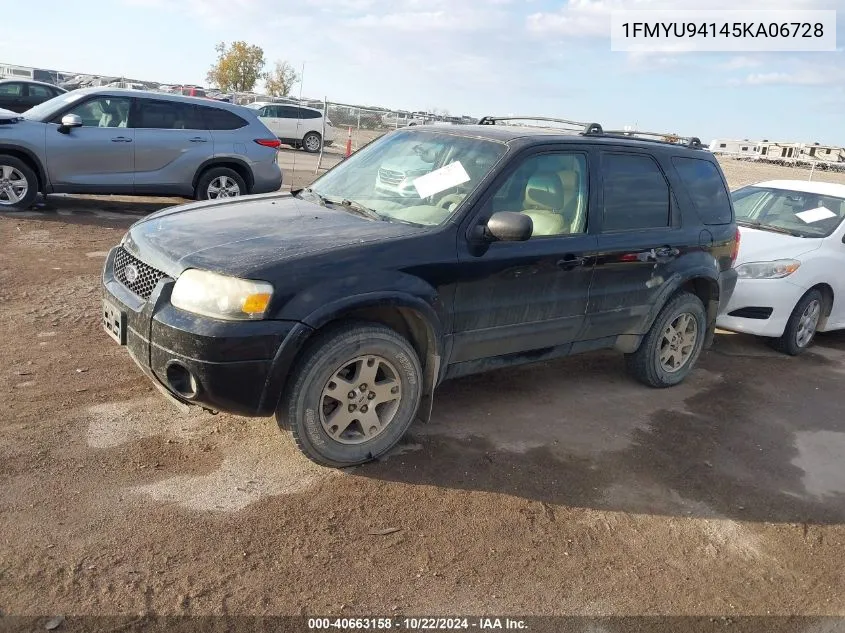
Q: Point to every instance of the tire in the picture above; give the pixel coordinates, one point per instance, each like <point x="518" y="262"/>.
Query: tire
<point x="343" y="354"/>
<point x="216" y="177"/>
<point x="650" y="364"/>
<point x="795" y="339"/>
<point x="18" y="184"/>
<point x="312" y="142"/>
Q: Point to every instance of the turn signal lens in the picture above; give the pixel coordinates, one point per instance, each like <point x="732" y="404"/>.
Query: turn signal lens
<point x="256" y="304"/>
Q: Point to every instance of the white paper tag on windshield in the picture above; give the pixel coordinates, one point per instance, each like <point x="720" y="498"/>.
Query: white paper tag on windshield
<point x="441" y="179"/>
<point x="815" y="215"/>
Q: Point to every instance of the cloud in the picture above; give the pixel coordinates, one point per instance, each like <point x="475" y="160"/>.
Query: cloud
<point x="741" y="62"/>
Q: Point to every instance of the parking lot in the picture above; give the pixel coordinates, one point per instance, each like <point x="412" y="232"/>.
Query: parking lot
<point x="558" y="488"/>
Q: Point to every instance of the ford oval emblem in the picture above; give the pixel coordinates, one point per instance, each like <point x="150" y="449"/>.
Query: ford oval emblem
<point x="131" y="273"/>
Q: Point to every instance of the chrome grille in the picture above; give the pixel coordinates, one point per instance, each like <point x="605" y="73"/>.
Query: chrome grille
<point x="390" y="177"/>
<point x="146" y="277"/>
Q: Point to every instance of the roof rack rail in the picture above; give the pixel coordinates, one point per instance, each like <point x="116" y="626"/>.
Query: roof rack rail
<point x="595" y="129"/>
<point x="690" y="141"/>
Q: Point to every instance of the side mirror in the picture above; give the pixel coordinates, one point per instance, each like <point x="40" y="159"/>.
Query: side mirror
<point x="70" y="121"/>
<point x="509" y="226"/>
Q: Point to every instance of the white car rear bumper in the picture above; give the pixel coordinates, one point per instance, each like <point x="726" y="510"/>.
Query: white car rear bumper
<point x="753" y="298"/>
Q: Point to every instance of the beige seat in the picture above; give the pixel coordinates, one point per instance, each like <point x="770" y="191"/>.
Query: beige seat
<point x="544" y="203"/>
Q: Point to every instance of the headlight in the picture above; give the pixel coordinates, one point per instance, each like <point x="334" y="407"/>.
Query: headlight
<point x="221" y="297"/>
<point x="768" y="270"/>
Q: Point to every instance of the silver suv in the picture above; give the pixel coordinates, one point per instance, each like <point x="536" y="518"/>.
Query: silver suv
<point x="117" y="141"/>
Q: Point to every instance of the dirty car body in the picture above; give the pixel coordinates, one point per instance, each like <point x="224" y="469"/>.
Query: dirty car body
<point x="435" y="270"/>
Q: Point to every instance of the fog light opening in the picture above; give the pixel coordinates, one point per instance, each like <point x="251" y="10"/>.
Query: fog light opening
<point x="182" y="381"/>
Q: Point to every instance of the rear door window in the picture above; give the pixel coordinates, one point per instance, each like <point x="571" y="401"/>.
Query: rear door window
<point x="168" y="115"/>
<point x="40" y="92"/>
<point x="636" y="194"/>
<point x="706" y="188"/>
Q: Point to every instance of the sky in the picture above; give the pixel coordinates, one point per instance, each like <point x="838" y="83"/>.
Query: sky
<point x="475" y="57"/>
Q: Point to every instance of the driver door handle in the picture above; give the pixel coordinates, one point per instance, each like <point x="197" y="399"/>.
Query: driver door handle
<point x="570" y="262"/>
<point x="121" y="139"/>
<point x="199" y="139"/>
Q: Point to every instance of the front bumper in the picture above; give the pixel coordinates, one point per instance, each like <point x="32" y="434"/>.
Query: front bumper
<point x="755" y="297"/>
<point x="234" y="366"/>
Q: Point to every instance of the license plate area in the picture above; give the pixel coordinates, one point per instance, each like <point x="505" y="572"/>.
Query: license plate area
<point x="114" y="322"/>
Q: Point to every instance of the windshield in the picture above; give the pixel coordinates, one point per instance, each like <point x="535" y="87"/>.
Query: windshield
<point x="799" y="213"/>
<point x="413" y="176"/>
<point x="44" y="111"/>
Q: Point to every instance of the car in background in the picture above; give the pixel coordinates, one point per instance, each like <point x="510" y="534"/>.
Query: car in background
<point x="132" y="142"/>
<point x="20" y="95"/>
<point x="790" y="265"/>
<point x="340" y="308"/>
<point x="192" y="91"/>
<point x="296" y="125"/>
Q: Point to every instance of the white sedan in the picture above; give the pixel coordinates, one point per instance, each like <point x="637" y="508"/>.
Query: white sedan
<point x="791" y="262"/>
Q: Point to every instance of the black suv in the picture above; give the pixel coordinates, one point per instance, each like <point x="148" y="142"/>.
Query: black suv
<point x="430" y="253"/>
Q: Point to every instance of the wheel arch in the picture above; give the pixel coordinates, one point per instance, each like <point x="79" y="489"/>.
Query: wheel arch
<point x="409" y="316"/>
<point x="827" y="307"/>
<point x="699" y="282"/>
<point x="31" y="160"/>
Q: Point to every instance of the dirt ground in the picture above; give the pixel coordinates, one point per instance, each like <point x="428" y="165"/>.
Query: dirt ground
<point x="559" y="488"/>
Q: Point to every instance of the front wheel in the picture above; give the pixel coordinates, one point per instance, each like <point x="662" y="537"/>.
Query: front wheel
<point x="802" y="325"/>
<point x="18" y="184"/>
<point x="673" y="344"/>
<point x="354" y="394"/>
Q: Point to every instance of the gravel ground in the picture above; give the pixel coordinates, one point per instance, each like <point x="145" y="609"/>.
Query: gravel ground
<point x="559" y="488"/>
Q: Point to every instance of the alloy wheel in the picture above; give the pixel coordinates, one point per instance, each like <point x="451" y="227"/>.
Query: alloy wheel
<point x="223" y="187"/>
<point x="13" y="185"/>
<point x="678" y="342"/>
<point x="360" y="400"/>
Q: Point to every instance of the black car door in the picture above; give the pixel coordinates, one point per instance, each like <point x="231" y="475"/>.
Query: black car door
<point x="13" y="96"/>
<point x="641" y="238"/>
<point x="517" y="297"/>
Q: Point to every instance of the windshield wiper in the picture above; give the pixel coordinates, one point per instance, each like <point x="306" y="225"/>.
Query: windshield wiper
<point x="359" y="208"/>
<point x="768" y="227"/>
<point x="323" y="200"/>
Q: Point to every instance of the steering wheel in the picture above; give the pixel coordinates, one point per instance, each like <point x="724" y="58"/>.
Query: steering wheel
<point x="455" y="198"/>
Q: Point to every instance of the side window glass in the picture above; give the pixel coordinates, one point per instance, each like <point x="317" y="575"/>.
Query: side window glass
<point x="11" y="90"/>
<point x="168" y="115"/>
<point x="217" y="119"/>
<point x="552" y="190"/>
<point x="704" y="184"/>
<point x="41" y="92"/>
<point x="636" y="194"/>
<point x="103" y="112"/>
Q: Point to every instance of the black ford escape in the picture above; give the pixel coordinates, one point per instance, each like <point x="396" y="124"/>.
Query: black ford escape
<point x="430" y="253"/>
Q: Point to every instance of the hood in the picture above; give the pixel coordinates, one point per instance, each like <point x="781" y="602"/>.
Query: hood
<point x="244" y="236"/>
<point x="761" y="246"/>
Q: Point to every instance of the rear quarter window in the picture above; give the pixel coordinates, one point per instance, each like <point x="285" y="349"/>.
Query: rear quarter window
<point x="706" y="188"/>
<point x="217" y="119"/>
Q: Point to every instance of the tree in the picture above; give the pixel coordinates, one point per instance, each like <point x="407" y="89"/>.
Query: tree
<point x="281" y="79"/>
<point x="238" y="66"/>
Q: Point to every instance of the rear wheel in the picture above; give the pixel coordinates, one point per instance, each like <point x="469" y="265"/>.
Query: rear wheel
<point x="353" y="396"/>
<point x="312" y="142"/>
<point x="220" y="182"/>
<point x="802" y="325"/>
<point x="673" y="344"/>
<point x="18" y="184"/>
